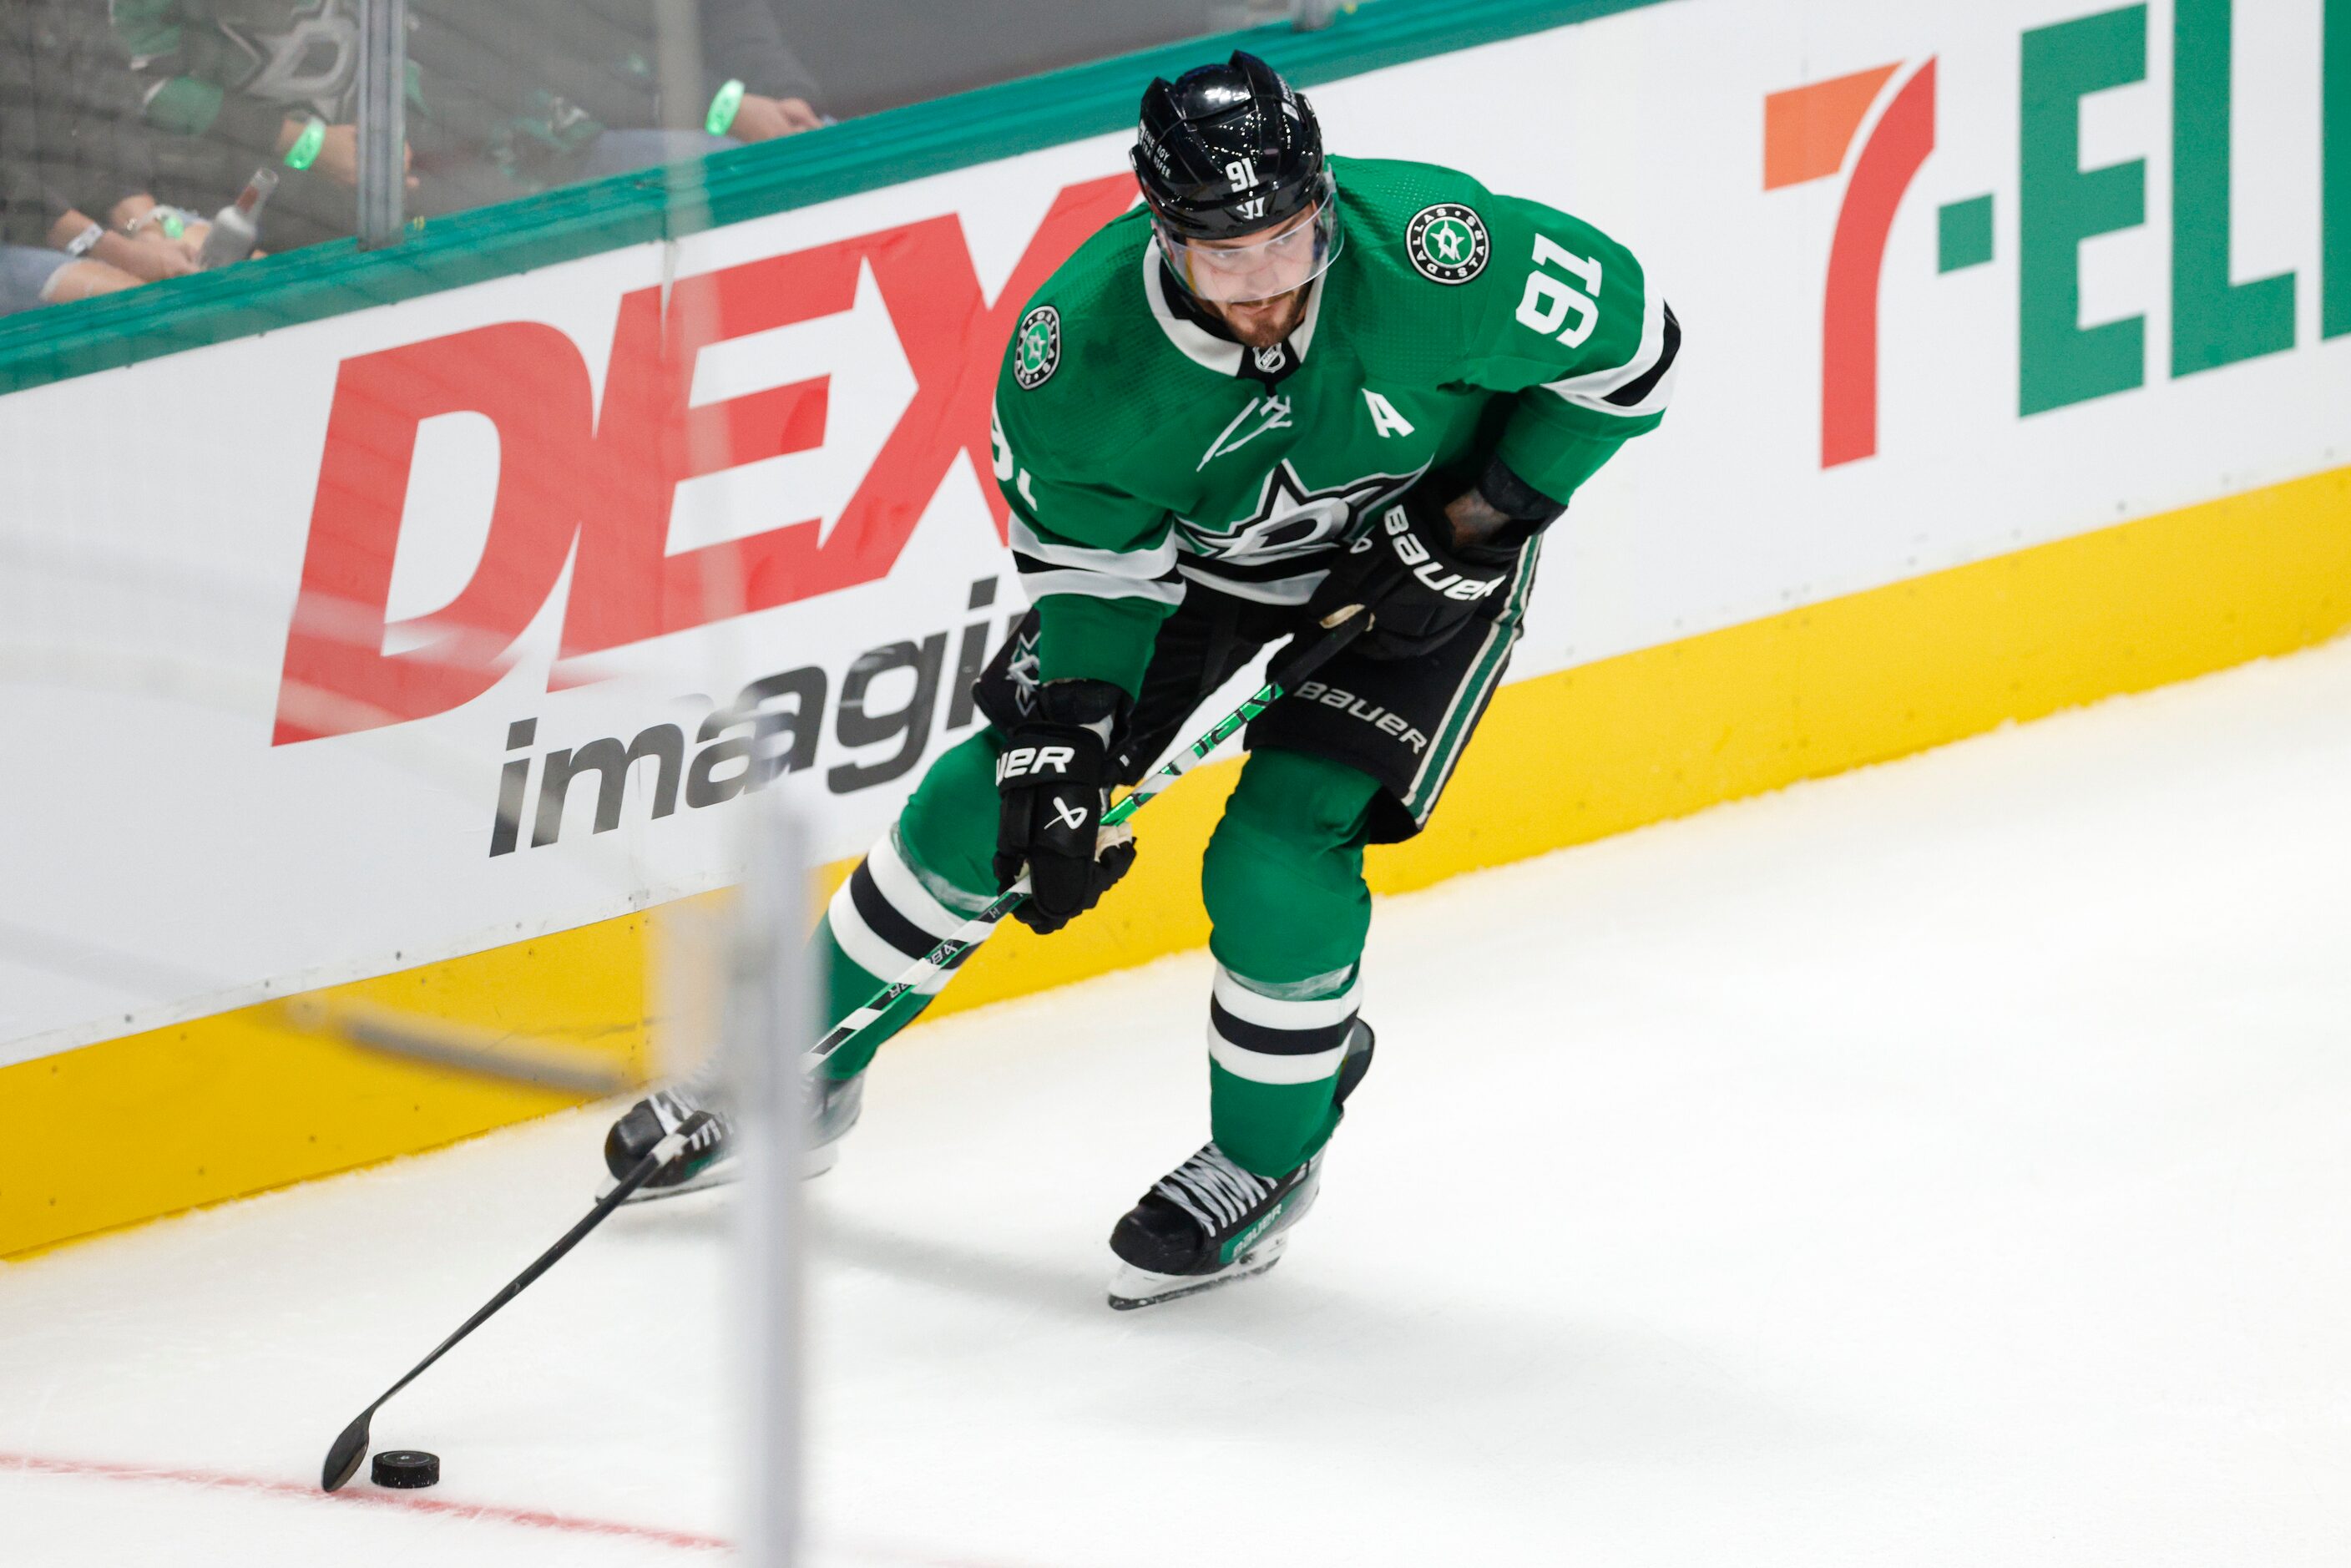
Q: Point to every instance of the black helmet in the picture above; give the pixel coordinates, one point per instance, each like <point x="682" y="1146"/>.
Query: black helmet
<point x="1228" y="150"/>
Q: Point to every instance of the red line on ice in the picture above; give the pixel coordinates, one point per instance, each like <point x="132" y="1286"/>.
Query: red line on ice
<point x="534" y="1518"/>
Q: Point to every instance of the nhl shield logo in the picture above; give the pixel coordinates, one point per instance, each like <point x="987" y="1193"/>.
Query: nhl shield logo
<point x="1037" y="348"/>
<point x="1446" y="243"/>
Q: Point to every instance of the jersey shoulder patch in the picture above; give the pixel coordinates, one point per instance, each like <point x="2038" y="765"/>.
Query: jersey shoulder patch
<point x="1447" y="242"/>
<point x="1037" y="348"/>
<point x="1088" y="378"/>
<point x="1064" y="326"/>
<point x="1418" y="222"/>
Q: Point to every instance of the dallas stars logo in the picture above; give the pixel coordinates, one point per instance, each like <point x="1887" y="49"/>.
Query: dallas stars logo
<point x="1446" y="243"/>
<point x="1290" y="519"/>
<point x="1025" y="673"/>
<point x="1037" y="348"/>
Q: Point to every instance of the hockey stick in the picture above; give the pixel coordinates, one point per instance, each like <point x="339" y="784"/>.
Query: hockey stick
<point x="352" y="1446"/>
<point x="513" y="1059"/>
<point x="1341" y="628"/>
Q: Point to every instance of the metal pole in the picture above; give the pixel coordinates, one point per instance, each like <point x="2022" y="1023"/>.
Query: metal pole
<point x="685" y="101"/>
<point x="382" y="120"/>
<point x="768" y="1026"/>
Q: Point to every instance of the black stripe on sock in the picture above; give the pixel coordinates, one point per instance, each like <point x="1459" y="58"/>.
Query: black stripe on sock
<point x="882" y="918"/>
<point x="1631" y="393"/>
<point x="1268" y="1041"/>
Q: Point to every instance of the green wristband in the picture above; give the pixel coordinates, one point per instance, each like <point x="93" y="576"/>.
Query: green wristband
<point x="305" y="151"/>
<point x="724" y="108"/>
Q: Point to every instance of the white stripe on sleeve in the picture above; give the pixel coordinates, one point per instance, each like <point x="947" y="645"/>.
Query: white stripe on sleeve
<point x="1590" y="389"/>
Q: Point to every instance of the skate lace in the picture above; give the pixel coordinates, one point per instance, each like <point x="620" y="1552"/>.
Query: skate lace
<point x="679" y="1111"/>
<point x="1213" y="1190"/>
<point x="675" y="1106"/>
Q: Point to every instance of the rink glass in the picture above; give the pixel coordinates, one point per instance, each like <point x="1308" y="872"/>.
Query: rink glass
<point x="501" y="102"/>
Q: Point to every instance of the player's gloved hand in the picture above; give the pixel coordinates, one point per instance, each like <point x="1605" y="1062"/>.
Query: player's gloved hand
<point x="1053" y="782"/>
<point x="1418" y="586"/>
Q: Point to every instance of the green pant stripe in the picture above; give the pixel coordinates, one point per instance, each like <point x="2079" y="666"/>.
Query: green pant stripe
<point x="1452" y="732"/>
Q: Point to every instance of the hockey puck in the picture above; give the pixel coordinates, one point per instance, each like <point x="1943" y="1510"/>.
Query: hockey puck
<point x="407" y="1469"/>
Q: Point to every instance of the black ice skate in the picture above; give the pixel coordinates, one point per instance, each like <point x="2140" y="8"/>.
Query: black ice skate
<point x="709" y="1157"/>
<point x="1209" y="1223"/>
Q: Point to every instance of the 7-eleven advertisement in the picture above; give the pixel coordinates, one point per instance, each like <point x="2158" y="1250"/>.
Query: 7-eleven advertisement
<point x="405" y="634"/>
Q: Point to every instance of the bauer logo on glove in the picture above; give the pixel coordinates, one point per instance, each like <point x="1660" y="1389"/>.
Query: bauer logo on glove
<point x="1420" y="590"/>
<point x="1053" y="785"/>
<point x="1433" y="576"/>
<point x="1028" y="761"/>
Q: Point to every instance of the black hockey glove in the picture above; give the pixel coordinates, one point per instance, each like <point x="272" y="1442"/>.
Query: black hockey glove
<point x="1419" y="587"/>
<point x="1053" y="782"/>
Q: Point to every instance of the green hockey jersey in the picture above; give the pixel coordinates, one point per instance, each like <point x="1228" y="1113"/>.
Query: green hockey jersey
<point x="1144" y="456"/>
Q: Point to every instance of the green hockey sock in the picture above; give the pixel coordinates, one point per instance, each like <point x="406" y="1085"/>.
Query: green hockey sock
<point x="926" y="877"/>
<point x="1273" y="1063"/>
<point x="1284" y="884"/>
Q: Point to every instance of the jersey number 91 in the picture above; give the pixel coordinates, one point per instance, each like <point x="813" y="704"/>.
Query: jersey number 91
<point x="1548" y="303"/>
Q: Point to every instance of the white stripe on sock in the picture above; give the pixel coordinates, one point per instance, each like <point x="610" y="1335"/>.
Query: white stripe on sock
<point x="1272" y="1012"/>
<point x="906" y="893"/>
<point x="868" y="951"/>
<point x="1264" y="1067"/>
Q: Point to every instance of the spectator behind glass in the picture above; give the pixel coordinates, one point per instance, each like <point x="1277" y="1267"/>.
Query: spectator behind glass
<point x="505" y="97"/>
<point x="75" y="163"/>
<point x="561" y="90"/>
<point x="228" y="86"/>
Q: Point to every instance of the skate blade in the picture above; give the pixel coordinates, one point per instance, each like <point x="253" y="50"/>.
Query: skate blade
<point x="721" y="1173"/>
<point x="1131" y="1287"/>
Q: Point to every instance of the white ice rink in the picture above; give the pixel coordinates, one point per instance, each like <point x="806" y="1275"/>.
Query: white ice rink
<point x="1945" y="1164"/>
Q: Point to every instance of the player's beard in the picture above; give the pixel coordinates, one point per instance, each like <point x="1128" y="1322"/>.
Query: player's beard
<point x="1262" y="323"/>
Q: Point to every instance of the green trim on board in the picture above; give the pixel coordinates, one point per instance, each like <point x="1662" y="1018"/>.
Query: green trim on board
<point x="885" y="149"/>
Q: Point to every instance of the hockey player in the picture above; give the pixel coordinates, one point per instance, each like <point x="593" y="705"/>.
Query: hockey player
<point x="1286" y="383"/>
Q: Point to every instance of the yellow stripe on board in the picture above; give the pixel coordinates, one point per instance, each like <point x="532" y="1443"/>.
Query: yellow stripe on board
<point x="132" y="1128"/>
<point x="242" y="1101"/>
<point x="1565" y="759"/>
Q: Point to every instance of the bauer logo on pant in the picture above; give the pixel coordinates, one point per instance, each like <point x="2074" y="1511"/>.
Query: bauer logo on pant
<point x="1371" y="713"/>
<point x="1037" y="348"/>
<point x="1446" y="243"/>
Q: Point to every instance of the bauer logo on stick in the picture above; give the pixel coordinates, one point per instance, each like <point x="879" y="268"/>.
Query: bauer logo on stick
<point x="1037" y="348"/>
<point x="1446" y="243"/>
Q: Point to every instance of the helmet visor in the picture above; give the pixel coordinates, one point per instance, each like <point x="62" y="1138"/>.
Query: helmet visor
<point x="1236" y="272"/>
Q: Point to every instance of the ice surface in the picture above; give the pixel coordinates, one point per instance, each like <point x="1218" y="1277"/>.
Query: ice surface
<point x="1946" y="1163"/>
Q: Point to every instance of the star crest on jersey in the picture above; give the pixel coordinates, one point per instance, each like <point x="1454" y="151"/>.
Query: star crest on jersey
<point x="1291" y="520"/>
<point x="1026" y="673"/>
<point x="1447" y="243"/>
<point x="1037" y="348"/>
